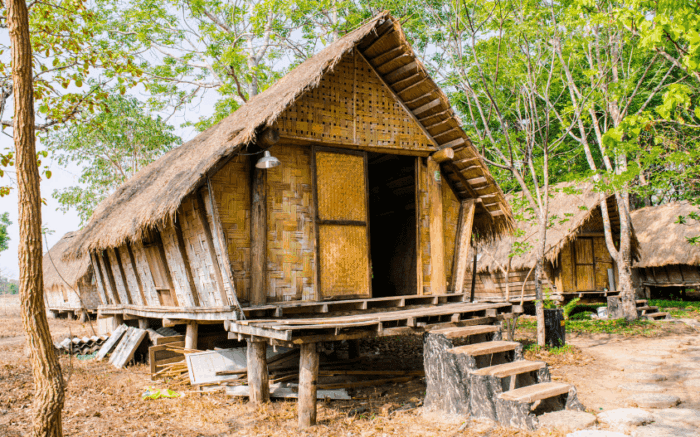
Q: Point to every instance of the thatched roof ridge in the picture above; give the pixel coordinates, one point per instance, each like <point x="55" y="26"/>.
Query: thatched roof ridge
<point x="58" y="272"/>
<point x="662" y="240"/>
<point x="151" y="198"/>
<point x="572" y="211"/>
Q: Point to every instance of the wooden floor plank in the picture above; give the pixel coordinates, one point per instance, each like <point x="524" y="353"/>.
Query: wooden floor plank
<point x="466" y="331"/>
<point x="510" y="369"/>
<point x="536" y="392"/>
<point x="485" y="348"/>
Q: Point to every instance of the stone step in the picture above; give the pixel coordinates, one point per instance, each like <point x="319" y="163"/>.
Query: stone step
<point x="655" y="316"/>
<point x="510" y="369"/>
<point x="466" y="331"/>
<point x="485" y="348"/>
<point x="536" y="392"/>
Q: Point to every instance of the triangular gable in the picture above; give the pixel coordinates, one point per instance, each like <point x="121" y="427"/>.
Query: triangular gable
<point x="351" y="106"/>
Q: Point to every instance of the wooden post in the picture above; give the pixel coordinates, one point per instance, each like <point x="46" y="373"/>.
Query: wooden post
<point x="202" y="213"/>
<point x="464" y="237"/>
<point x="122" y="274"/>
<point x="443" y="155"/>
<point x="117" y="320"/>
<point x="438" y="278"/>
<point x="308" y="378"/>
<point x="186" y="260"/>
<point x="258" y="378"/>
<point x="191" y="335"/>
<point x="132" y="259"/>
<point x="143" y="324"/>
<point x="258" y="237"/>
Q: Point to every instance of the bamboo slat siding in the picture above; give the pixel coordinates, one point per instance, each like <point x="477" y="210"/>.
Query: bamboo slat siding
<point x="177" y="267"/>
<point x="352" y="106"/>
<point x="220" y="256"/>
<point x="130" y="276"/>
<point x="118" y="280"/>
<point x="290" y="226"/>
<point x="423" y="213"/>
<point x="144" y="271"/>
<point x="231" y="187"/>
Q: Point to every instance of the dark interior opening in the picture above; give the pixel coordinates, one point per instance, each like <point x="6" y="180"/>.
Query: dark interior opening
<point x="392" y="224"/>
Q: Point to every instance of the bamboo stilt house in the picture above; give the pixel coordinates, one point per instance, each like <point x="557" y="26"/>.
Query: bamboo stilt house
<point x="69" y="285"/>
<point x="577" y="261"/>
<point x="668" y="260"/>
<point x="376" y="195"/>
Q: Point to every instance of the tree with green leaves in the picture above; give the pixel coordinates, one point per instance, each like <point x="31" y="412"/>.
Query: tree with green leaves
<point x="109" y="148"/>
<point x="4" y="236"/>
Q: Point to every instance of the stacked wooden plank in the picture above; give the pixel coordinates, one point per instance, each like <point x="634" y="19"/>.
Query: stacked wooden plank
<point x="125" y="340"/>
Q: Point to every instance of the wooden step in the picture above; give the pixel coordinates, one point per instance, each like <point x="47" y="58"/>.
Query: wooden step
<point x="465" y="331"/>
<point x="655" y="315"/>
<point x="510" y="369"/>
<point x="641" y="301"/>
<point x="536" y="392"/>
<point x="485" y="348"/>
<point x="647" y="308"/>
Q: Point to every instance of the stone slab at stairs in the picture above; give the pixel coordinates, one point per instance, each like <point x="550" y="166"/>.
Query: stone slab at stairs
<point x="488" y="378"/>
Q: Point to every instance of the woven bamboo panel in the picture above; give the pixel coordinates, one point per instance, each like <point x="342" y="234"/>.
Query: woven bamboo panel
<point x="177" y="267"/>
<point x="423" y="206"/>
<point x="344" y="263"/>
<point x="144" y="271"/>
<point x="603" y="262"/>
<point x="340" y="182"/>
<point x="352" y="106"/>
<point x="290" y="227"/>
<point x="450" y="217"/>
<point x="88" y="294"/>
<point x="585" y="271"/>
<point x="117" y="276"/>
<point x="130" y="276"/>
<point x="201" y="260"/>
<point x="567" y="269"/>
<point x="231" y="186"/>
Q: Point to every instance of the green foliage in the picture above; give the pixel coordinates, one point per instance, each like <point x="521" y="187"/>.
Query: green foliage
<point x="110" y="148"/>
<point x="677" y="308"/>
<point x="548" y="302"/>
<point x="569" y="307"/>
<point x="4" y="236"/>
<point x="559" y="350"/>
<point x="582" y="315"/>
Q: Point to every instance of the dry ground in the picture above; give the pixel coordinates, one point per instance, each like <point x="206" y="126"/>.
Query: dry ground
<point x="104" y="401"/>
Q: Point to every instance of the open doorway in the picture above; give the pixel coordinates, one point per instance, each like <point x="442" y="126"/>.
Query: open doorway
<point x="392" y="218"/>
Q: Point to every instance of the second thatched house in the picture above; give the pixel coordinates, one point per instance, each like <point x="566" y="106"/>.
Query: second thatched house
<point x="69" y="286"/>
<point x="668" y="259"/>
<point x="577" y="259"/>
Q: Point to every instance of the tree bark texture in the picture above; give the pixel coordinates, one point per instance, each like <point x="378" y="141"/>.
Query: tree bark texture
<point x="49" y="384"/>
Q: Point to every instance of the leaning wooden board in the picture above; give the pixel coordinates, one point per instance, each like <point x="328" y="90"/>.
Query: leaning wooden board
<point x="111" y="342"/>
<point x="127" y="346"/>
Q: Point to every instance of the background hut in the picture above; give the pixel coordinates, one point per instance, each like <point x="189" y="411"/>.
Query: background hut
<point x="577" y="260"/>
<point x="69" y="285"/>
<point x="668" y="261"/>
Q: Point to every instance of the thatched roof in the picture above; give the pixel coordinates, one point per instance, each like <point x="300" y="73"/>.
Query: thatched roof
<point x="151" y="198"/>
<point x="569" y="213"/>
<point x="72" y="271"/>
<point x="662" y="240"/>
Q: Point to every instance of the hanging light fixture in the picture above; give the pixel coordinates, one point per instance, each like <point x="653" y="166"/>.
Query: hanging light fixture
<point x="267" y="161"/>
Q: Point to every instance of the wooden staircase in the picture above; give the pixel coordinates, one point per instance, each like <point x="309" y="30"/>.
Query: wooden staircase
<point x="649" y="312"/>
<point x="488" y="378"/>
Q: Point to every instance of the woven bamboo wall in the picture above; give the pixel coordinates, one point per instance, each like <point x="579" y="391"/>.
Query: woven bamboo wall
<point x="343" y="251"/>
<point x="130" y="276"/>
<point x="492" y="286"/>
<point x="341" y="187"/>
<point x="88" y="294"/>
<point x="352" y="106"/>
<point x="177" y="267"/>
<point x="423" y="208"/>
<point x="144" y="271"/>
<point x="603" y="262"/>
<point x="290" y="227"/>
<point x="201" y="261"/>
<point x="450" y="217"/>
<point x="231" y="187"/>
<point x="101" y="288"/>
<point x="218" y="240"/>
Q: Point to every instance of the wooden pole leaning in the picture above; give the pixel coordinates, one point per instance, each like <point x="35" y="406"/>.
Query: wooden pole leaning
<point x="191" y="335"/>
<point x="258" y="378"/>
<point x="308" y="381"/>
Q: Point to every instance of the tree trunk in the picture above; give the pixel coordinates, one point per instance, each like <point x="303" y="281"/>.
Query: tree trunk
<point x="49" y="396"/>
<point x="539" y="272"/>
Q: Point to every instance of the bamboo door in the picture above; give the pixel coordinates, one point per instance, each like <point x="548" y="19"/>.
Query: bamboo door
<point x="342" y="228"/>
<point x="585" y="264"/>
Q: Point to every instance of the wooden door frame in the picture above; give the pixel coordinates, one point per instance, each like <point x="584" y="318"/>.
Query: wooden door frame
<point x="317" y="221"/>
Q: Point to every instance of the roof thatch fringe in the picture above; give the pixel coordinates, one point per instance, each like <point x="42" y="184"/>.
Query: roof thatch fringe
<point x="664" y="241"/>
<point x="56" y="269"/>
<point x="568" y="212"/>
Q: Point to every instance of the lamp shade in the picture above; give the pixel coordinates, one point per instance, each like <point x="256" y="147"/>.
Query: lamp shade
<point x="267" y="161"/>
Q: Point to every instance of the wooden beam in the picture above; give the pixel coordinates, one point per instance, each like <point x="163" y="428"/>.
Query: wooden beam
<point x="258" y="379"/>
<point x="186" y="260"/>
<point x="393" y="75"/>
<point x="453" y="143"/>
<point x="447" y="132"/>
<point x="117" y="255"/>
<point x="308" y="381"/>
<point x="139" y="284"/>
<point x="419" y="256"/>
<point x="220" y="243"/>
<point x="258" y="237"/>
<point x="379" y="40"/>
<point x="460" y="262"/>
<point x="202" y="213"/>
<point x="403" y="82"/>
<point x="400" y="101"/>
<point x="439" y="123"/>
<point x="427" y="107"/>
<point x="438" y="280"/>
<point x="168" y="276"/>
<point x="419" y="98"/>
<point x="391" y="54"/>
<point x="444" y="155"/>
<point x="268" y="138"/>
<point x="453" y="168"/>
<point x="97" y="271"/>
<point x="110" y="276"/>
